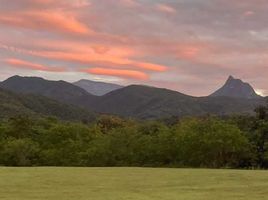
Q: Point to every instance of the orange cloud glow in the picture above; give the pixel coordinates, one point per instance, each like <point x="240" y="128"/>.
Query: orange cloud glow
<point x="107" y="59"/>
<point x="118" y="72"/>
<point x="129" y="3"/>
<point x="165" y="8"/>
<point x="83" y="57"/>
<point x="189" y="52"/>
<point x="45" y="20"/>
<point x="33" y="66"/>
<point x="150" y="66"/>
<point x="90" y="54"/>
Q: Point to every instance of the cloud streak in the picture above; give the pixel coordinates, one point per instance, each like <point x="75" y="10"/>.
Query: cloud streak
<point x="47" y="21"/>
<point x="22" y="64"/>
<point x="165" y="8"/>
<point x="118" y="72"/>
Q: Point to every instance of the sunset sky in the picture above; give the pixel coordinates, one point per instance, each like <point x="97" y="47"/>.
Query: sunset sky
<point x="187" y="45"/>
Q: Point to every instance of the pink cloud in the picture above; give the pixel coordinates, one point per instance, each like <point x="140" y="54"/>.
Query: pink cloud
<point x="46" y="20"/>
<point x="21" y="64"/>
<point x="90" y="54"/>
<point x="165" y="8"/>
<point x="249" y="13"/>
<point x="118" y="73"/>
<point x="130" y="3"/>
<point x="150" y="66"/>
<point x="46" y="4"/>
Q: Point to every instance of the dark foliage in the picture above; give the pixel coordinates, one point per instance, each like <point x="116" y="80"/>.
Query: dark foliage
<point x="110" y="141"/>
<point x="12" y="104"/>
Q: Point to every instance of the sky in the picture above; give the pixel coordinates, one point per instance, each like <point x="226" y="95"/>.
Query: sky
<point x="191" y="46"/>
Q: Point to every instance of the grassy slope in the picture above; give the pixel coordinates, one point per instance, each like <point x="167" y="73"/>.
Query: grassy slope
<point x="131" y="183"/>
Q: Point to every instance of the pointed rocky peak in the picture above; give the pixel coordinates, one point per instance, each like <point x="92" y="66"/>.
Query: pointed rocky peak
<point x="236" y="88"/>
<point x="230" y="78"/>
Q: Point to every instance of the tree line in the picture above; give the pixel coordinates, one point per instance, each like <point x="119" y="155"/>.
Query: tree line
<point x="210" y="142"/>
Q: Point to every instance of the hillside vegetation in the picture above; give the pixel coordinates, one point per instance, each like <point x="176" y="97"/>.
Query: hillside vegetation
<point x="14" y="105"/>
<point x="232" y="142"/>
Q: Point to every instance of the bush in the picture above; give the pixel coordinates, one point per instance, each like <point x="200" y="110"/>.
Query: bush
<point x="19" y="152"/>
<point x="210" y="143"/>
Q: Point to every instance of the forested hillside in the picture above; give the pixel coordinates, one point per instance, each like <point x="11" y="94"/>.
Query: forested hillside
<point x="230" y="142"/>
<point x="12" y="105"/>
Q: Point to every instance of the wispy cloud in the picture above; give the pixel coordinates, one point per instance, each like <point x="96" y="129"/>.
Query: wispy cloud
<point x="118" y="72"/>
<point x="165" y="8"/>
<point x="22" y="64"/>
<point x="50" y="21"/>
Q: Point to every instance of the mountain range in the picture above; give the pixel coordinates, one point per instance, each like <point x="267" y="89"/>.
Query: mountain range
<point x="61" y="91"/>
<point x="148" y="103"/>
<point x="138" y="101"/>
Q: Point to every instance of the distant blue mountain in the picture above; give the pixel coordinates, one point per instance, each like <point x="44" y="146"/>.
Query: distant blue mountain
<point x="97" y="88"/>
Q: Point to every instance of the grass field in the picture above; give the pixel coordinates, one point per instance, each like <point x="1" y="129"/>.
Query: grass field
<point x="131" y="183"/>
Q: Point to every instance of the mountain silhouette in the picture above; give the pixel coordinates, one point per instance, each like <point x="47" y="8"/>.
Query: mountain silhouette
<point x="236" y="88"/>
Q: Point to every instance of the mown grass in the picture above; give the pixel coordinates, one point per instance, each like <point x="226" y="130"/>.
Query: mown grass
<point x="131" y="183"/>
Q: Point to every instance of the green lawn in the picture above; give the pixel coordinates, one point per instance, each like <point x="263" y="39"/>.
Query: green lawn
<point x="131" y="183"/>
